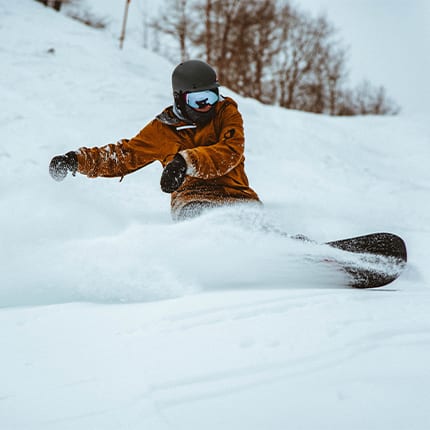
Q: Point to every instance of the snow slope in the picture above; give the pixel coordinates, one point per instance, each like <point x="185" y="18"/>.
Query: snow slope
<point x="114" y="317"/>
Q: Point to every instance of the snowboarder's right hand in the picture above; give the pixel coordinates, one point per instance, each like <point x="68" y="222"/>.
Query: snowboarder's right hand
<point x="62" y="164"/>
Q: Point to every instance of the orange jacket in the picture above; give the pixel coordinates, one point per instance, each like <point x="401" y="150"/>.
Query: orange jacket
<point x="214" y="154"/>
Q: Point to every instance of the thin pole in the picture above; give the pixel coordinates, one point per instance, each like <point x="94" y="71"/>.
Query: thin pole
<point x="124" y="24"/>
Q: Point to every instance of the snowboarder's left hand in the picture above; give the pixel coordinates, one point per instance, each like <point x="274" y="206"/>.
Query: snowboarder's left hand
<point x="173" y="174"/>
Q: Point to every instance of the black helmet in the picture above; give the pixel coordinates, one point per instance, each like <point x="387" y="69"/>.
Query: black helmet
<point x="193" y="75"/>
<point x="190" y="76"/>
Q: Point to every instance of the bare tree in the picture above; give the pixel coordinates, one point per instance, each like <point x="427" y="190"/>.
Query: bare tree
<point x="320" y="87"/>
<point x="335" y="74"/>
<point x="175" y="22"/>
<point x="208" y="30"/>
<point x="369" y="100"/>
<point x="300" y="59"/>
<point x="255" y="45"/>
<point x="237" y="41"/>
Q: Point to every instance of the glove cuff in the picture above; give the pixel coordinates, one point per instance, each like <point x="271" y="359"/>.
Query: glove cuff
<point x="72" y="161"/>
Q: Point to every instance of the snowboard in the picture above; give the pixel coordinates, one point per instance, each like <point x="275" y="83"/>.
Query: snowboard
<point x="382" y="258"/>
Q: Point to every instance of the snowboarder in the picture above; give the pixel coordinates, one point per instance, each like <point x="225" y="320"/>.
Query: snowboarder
<point x="199" y="141"/>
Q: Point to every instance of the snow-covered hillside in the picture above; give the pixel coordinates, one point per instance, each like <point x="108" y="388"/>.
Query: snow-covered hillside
<point x="114" y="317"/>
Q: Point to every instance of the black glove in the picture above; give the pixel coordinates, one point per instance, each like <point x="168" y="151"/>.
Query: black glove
<point x="62" y="164"/>
<point x="173" y="174"/>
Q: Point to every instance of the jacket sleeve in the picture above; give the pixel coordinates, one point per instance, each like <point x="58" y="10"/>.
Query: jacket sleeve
<point x="213" y="161"/>
<point x="125" y="156"/>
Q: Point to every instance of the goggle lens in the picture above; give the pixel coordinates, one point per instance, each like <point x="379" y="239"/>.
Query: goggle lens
<point x="200" y="99"/>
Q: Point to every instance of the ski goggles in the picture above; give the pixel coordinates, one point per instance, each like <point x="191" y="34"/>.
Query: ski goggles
<point x="200" y="99"/>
